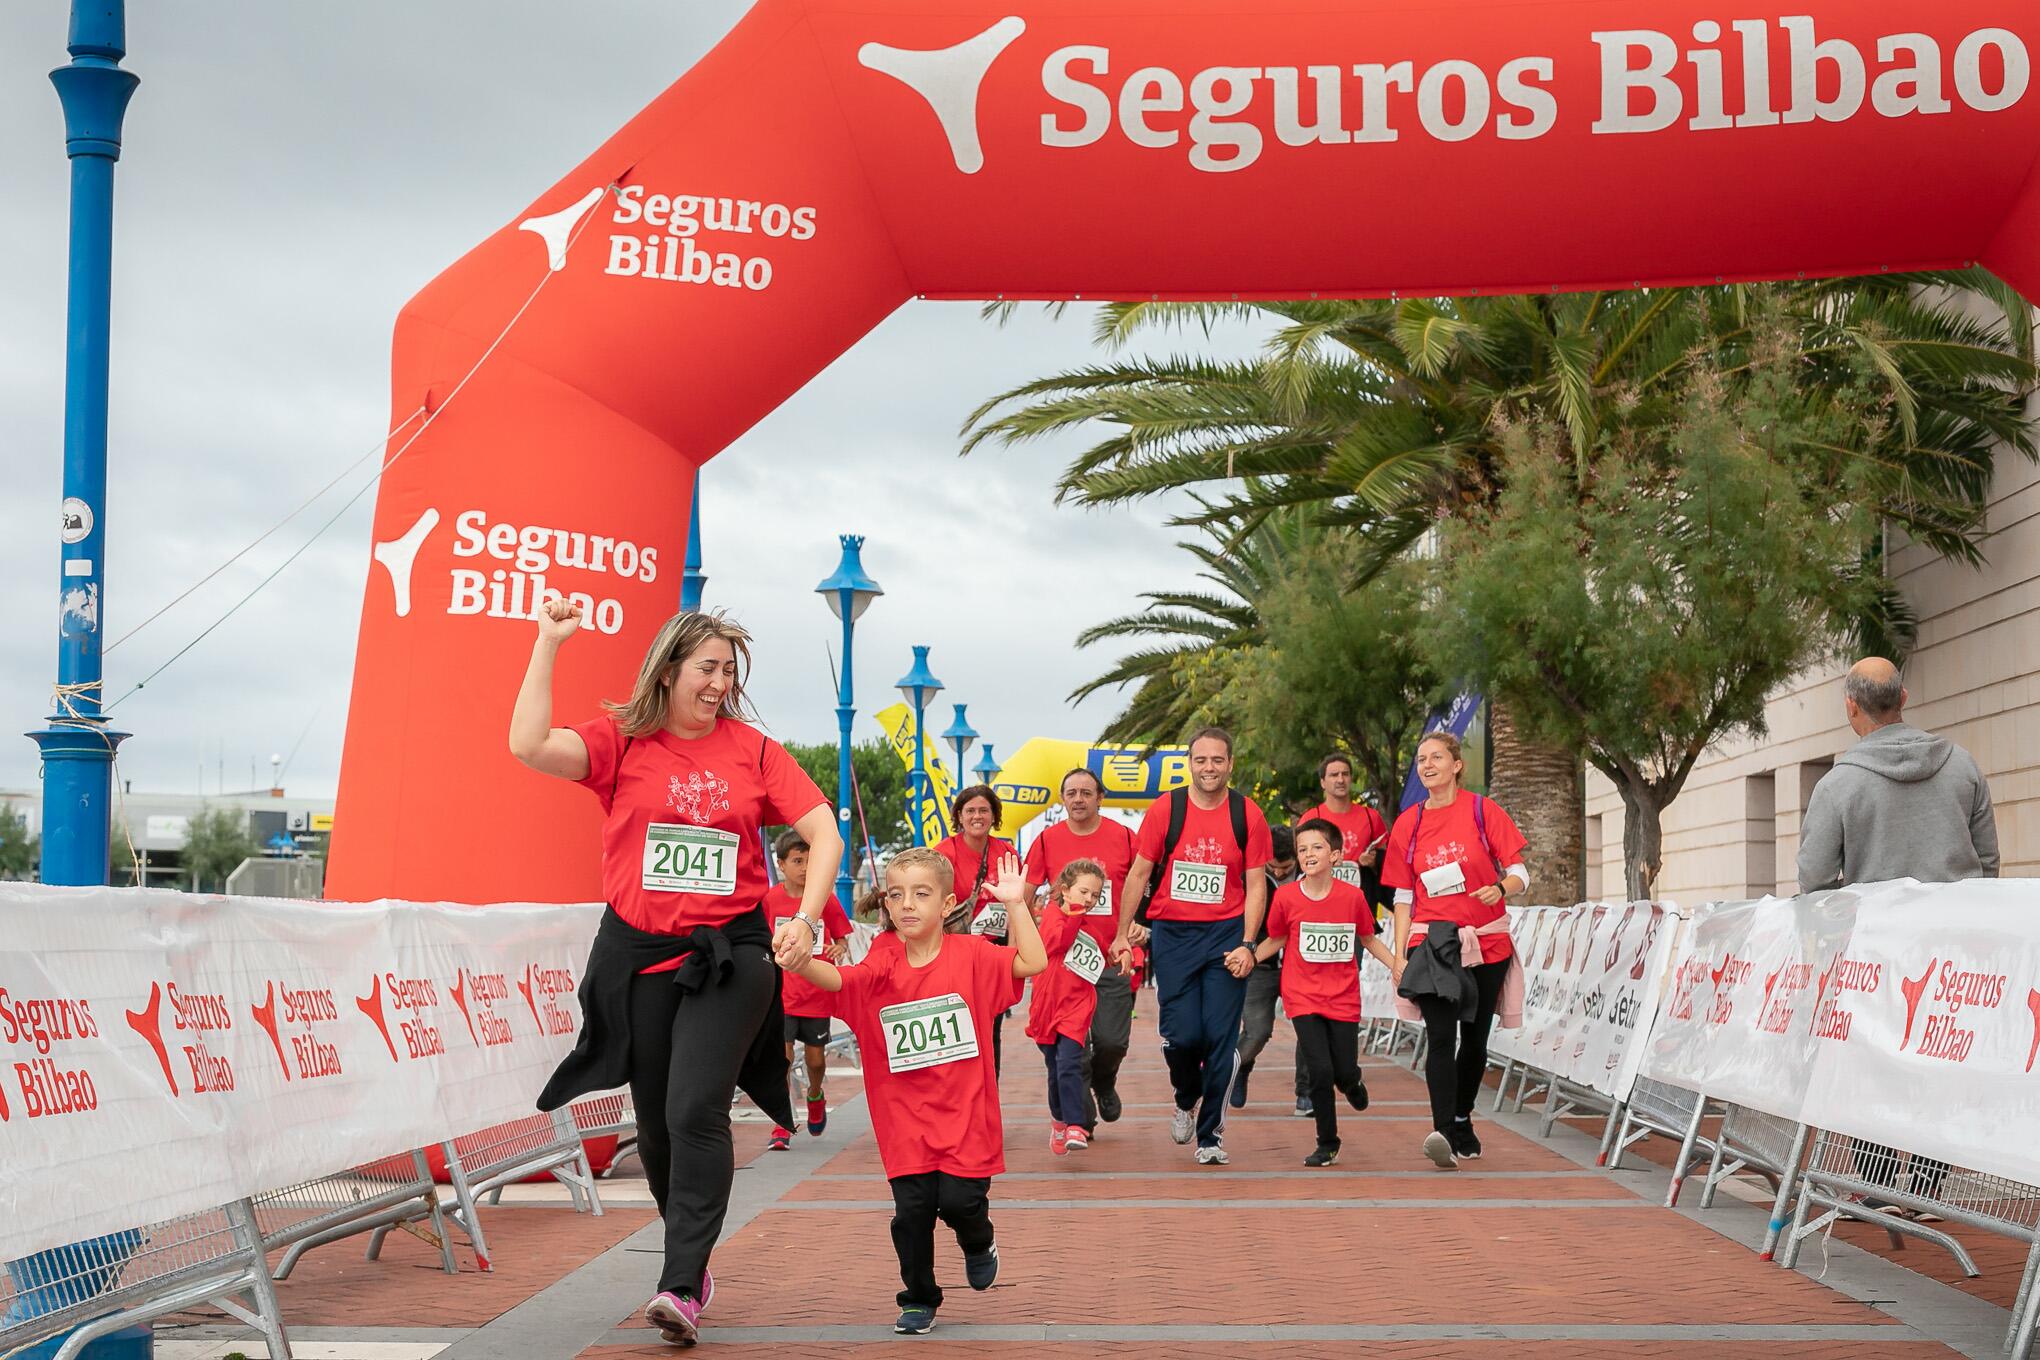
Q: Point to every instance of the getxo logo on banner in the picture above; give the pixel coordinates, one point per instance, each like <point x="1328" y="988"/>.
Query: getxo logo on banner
<point x="1233" y="109"/>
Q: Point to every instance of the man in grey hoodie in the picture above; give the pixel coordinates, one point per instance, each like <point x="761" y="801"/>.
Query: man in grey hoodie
<point x="1900" y="803"/>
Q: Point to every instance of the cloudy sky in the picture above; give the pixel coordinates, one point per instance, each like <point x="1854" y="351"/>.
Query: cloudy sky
<point x="293" y="173"/>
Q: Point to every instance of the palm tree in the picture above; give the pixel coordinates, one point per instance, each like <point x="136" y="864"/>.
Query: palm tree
<point x="1390" y="416"/>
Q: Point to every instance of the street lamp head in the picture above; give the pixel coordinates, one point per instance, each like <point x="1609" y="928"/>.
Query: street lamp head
<point x="987" y="769"/>
<point x="850" y="588"/>
<point x="918" y="684"/>
<point x="960" y="733"/>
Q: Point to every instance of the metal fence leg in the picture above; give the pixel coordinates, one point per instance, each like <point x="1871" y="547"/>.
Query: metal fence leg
<point x="1714" y="1177"/>
<point x="2022" y="1305"/>
<point x="1502" y="1086"/>
<point x="1617" y="1112"/>
<point x="1786" y="1190"/>
<point x="268" y="1313"/>
<point x="1685" y="1157"/>
<point x="439" y="1232"/>
<point x="465" y="1211"/>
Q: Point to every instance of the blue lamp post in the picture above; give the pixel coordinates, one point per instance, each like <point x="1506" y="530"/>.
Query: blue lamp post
<point x="77" y="747"/>
<point x="987" y="769"/>
<point x="691" y="578"/>
<point x="917" y="687"/>
<point x="961" y="735"/>
<point x="849" y="593"/>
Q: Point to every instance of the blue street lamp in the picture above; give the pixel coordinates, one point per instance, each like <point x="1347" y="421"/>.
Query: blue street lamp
<point x="961" y="735"/>
<point x="917" y="687"/>
<point x="849" y="593"/>
<point x="987" y="769"/>
<point x="77" y="747"/>
<point x="691" y="578"/>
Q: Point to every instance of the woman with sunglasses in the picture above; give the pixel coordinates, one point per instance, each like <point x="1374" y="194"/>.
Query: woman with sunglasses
<point x="680" y="998"/>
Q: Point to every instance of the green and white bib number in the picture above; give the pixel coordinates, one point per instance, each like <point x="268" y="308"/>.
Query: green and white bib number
<point x="1085" y="959"/>
<point x="990" y="921"/>
<point x="1103" y="906"/>
<point x="1190" y="881"/>
<point x="1345" y="871"/>
<point x="1330" y="943"/>
<point x="927" y="1033"/>
<point x="691" y="859"/>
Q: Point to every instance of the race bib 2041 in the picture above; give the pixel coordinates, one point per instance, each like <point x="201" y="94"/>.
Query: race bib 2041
<point x="927" y="1033"/>
<point x="691" y="859"/>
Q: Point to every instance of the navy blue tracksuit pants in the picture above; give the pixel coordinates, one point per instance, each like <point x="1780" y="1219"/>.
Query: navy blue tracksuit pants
<point x="1201" y="1006"/>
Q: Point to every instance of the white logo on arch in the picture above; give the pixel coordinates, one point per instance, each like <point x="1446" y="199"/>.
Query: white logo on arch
<point x="949" y="79"/>
<point x="397" y="555"/>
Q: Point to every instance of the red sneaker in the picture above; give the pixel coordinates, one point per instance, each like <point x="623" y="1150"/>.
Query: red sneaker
<point x="782" y="1139"/>
<point x="1075" y="1140"/>
<point x="1058" y="1139"/>
<point x="817" y="1116"/>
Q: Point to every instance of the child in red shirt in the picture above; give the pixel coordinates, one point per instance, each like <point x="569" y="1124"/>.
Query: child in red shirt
<point x="807" y="1011"/>
<point x="922" y="1010"/>
<point x="1315" y="922"/>
<point x="1066" y="998"/>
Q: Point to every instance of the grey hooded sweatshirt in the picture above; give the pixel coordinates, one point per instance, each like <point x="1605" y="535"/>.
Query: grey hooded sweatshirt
<point x="1900" y="803"/>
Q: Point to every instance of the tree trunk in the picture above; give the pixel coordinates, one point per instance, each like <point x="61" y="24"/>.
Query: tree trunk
<point x="1539" y="786"/>
<point x="1643" y="842"/>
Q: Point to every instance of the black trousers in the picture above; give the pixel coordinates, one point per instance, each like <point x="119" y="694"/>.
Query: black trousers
<point x="685" y="1052"/>
<point x="1111" y="1035"/>
<point x="964" y="1203"/>
<point x="1257" y="1022"/>
<point x="1457" y="1056"/>
<point x="1330" y="1050"/>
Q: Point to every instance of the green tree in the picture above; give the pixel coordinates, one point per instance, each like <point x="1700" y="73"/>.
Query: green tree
<point x="881" y="784"/>
<point x="1392" y="417"/>
<point x="20" y="853"/>
<point x="216" y="840"/>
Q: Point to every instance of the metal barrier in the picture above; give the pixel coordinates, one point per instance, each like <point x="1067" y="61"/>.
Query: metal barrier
<point x="1669" y="1111"/>
<point x="1863" y="1180"/>
<point x="599" y="1116"/>
<point x="1562" y="1097"/>
<point x="100" y="1286"/>
<point x="2025" y="1320"/>
<point x="1773" y="1148"/>
<point x="395" y="1191"/>
<point x="483" y="1162"/>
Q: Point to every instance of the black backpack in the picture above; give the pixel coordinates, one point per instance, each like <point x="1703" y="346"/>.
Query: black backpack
<point x="1179" y="811"/>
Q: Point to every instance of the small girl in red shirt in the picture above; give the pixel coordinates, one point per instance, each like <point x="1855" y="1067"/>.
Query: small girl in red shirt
<point x="1066" y="998"/>
<point x="922" y="1008"/>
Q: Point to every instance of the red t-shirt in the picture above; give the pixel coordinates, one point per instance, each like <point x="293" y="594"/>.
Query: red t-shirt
<point x="1449" y="835"/>
<point x="797" y="995"/>
<point x="943" y="1117"/>
<point x="1111" y="845"/>
<point x="727" y="785"/>
<point x="1063" y="1003"/>
<point x="1330" y="989"/>
<point x="1207" y="839"/>
<point x="963" y="862"/>
<point x="1359" y="827"/>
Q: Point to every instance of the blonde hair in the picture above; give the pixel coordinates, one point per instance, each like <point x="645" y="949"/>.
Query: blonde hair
<point x="677" y="639"/>
<point x="918" y="857"/>
<point x="1074" y="870"/>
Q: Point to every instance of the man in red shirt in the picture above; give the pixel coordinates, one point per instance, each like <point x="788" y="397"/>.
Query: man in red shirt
<point x="1360" y="826"/>
<point x="1204" y="848"/>
<point x="1084" y="834"/>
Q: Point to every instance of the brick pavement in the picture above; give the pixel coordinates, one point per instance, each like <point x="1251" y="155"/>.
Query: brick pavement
<point x="1131" y="1249"/>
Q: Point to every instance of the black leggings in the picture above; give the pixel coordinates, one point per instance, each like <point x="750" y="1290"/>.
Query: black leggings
<point x="1457" y="1056"/>
<point x="964" y="1203"/>
<point x="1330" y="1050"/>
<point x="685" y="1052"/>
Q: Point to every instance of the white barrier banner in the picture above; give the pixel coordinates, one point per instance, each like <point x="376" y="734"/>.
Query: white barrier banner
<point x="1377" y="989"/>
<point x="164" y="1052"/>
<point x="1593" y="976"/>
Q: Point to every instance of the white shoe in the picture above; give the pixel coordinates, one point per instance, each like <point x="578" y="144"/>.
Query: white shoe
<point x="1212" y="1155"/>
<point x="1439" y="1149"/>
<point x="1184" y="1126"/>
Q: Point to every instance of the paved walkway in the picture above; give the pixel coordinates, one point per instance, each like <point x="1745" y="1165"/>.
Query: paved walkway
<point x="1528" y="1253"/>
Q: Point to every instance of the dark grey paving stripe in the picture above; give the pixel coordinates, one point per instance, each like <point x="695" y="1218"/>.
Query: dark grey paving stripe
<point x="579" y="1310"/>
<point x="1223" y="1173"/>
<point x="444" y="1336"/>
<point x="1328" y="1202"/>
<point x="1248" y="1334"/>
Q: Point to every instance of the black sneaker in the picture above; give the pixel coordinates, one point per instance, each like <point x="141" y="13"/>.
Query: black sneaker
<point x="915" y="1321"/>
<point x="1238" y="1099"/>
<point x="1324" y="1156"/>
<point x="1108" y="1106"/>
<point x="1357" y="1095"/>
<point x="1464" y="1141"/>
<point x="981" y="1268"/>
<point x="1303" y="1110"/>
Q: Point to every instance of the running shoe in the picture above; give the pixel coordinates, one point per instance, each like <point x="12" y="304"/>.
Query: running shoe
<point x="1183" y="1125"/>
<point x="981" y="1268"/>
<point x="1211" y="1154"/>
<point x="1058" y="1138"/>
<point x="1076" y="1140"/>
<point x="1324" y="1156"/>
<point x="782" y="1139"/>
<point x="1108" y="1106"/>
<point x="1238" y="1098"/>
<point x="817" y="1116"/>
<point x="1465" y="1142"/>
<point x="915" y="1321"/>
<point x="1357" y="1095"/>
<point x="677" y="1317"/>
<point x="1303" y="1109"/>
<point x="1439" y="1149"/>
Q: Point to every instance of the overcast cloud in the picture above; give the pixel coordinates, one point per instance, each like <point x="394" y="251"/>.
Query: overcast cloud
<point x="293" y="173"/>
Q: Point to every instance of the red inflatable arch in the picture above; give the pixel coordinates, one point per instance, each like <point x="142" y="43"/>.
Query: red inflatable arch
<point x="830" y="160"/>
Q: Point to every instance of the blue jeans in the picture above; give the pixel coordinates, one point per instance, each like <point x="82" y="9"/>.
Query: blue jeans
<point x="1065" y="1059"/>
<point x="1201" y="1006"/>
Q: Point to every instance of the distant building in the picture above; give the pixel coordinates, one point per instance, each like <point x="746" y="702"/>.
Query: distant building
<point x="157" y="822"/>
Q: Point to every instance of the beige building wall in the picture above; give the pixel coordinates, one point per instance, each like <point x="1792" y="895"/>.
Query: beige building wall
<point x="1974" y="677"/>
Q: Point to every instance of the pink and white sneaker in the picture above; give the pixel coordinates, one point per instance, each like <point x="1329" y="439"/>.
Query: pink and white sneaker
<point x="679" y="1319"/>
<point x="1058" y="1139"/>
<point x="1076" y="1140"/>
